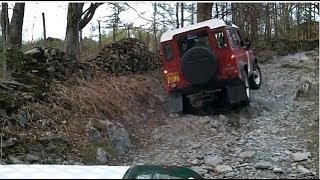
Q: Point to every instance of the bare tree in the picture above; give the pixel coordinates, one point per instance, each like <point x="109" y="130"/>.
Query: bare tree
<point x="76" y="21"/>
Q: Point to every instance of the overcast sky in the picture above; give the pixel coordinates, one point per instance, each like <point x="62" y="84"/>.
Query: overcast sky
<point x="56" y="18"/>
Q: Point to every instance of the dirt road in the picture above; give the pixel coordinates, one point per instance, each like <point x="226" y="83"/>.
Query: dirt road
<point x="276" y="136"/>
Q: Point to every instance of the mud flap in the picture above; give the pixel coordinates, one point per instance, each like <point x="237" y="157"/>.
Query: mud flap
<point x="175" y="103"/>
<point x="236" y="93"/>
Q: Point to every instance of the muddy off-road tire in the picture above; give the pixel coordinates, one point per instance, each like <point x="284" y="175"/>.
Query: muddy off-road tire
<point x="246" y="89"/>
<point x="255" y="78"/>
<point x="199" y="65"/>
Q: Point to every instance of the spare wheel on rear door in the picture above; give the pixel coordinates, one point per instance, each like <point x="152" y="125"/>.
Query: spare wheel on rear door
<point x="199" y="65"/>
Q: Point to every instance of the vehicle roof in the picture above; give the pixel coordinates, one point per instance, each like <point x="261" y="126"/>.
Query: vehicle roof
<point x="212" y="23"/>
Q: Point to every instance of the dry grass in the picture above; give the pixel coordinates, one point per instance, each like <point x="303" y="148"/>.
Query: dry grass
<point x="103" y="96"/>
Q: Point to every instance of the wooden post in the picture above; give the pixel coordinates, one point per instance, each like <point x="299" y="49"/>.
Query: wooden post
<point x="140" y="37"/>
<point x="114" y="32"/>
<point x="148" y="41"/>
<point x="99" y="27"/>
<point x="44" y="30"/>
<point x="128" y="30"/>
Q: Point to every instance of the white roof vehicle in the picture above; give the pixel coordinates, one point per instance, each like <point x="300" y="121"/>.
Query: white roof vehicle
<point x="212" y="23"/>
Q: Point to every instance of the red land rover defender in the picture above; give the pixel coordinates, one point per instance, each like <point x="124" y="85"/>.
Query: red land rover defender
<point x="206" y="60"/>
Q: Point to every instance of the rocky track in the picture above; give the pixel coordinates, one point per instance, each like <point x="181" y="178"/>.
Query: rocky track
<point x="276" y="136"/>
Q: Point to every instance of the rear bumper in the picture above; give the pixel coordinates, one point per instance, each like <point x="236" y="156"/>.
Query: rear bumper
<point x="213" y="85"/>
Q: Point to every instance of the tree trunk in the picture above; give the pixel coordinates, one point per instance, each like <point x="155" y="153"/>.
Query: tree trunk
<point x="254" y="24"/>
<point x="233" y="13"/>
<point x="4" y="26"/>
<point x="155" y="12"/>
<point x="15" y="27"/>
<point x="223" y="11"/>
<point x="177" y="15"/>
<point x="217" y="11"/>
<point x="309" y="21"/>
<point x="298" y="20"/>
<point x="182" y="17"/>
<point x="268" y="28"/>
<point x="287" y="21"/>
<point x="275" y="21"/>
<point x="192" y="13"/>
<point x="71" y="45"/>
<point x="314" y="12"/>
<point x="204" y="11"/>
<point x="4" y="21"/>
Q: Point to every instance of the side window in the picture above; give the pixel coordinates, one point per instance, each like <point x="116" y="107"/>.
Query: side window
<point x="168" y="53"/>
<point x="220" y="39"/>
<point x="235" y="39"/>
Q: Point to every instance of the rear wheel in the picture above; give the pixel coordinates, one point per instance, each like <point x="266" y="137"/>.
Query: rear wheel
<point x="255" y="78"/>
<point x="246" y="89"/>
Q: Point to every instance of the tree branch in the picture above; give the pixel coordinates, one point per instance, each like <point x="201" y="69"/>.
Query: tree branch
<point x="88" y="15"/>
<point x="137" y="12"/>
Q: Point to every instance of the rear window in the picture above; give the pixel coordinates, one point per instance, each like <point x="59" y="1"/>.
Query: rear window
<point x="168" y="54"/>
<point x="191" y="40"/>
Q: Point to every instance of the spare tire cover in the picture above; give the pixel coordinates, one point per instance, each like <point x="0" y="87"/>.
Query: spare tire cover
<point x="199" y="65"/>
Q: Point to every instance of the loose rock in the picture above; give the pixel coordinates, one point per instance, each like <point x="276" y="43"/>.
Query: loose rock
<point x="102" y="156"/>
<point x="277" y="170"/>
<point x="119" y="137"/>
<point x="196" y="146"/>
<point x="263" y="165"/>
<point x="303" y="170"/>
<point x="14" y="160"/>
<point x="213" y="160"/>
<point x="247" y="154"/>
<point x="32" y="158"/>
<point x="223" y="168"/>
<point x="214" y="123"/>
<point x="299" y="156"/>
<point x="243" y="120"/>
<point x="9" y="142"/>
<point x="94" y="134"/>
